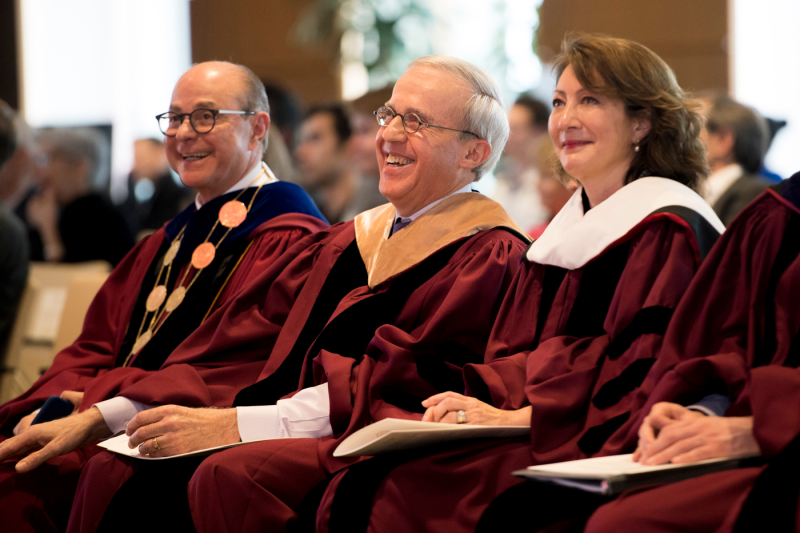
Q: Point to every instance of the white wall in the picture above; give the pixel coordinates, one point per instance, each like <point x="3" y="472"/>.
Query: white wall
<point x="765" y="70"/>
<point x="89" y="62"/>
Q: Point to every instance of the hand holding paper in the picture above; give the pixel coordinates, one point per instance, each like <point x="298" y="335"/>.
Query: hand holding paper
<point x="173" y="430"/>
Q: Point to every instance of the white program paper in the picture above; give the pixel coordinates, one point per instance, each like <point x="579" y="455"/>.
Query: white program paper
<point x="393" y="434"/>
<point x="607" y="467"/>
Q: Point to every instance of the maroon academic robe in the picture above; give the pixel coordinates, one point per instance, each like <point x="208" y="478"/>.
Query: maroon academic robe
<point x="584" y="316"/>
<point x="736" y="333"/>
<point x="198" y="372"/>
<point x="384" y="342"/>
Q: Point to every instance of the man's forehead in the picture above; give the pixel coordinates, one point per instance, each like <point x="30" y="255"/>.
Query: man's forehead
<point x="204" y="88"/>
<point x="426" y="92"/>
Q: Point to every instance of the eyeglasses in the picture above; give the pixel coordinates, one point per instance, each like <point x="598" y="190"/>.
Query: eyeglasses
<point x="202" y="120"/>
<point x="411" y="121"/>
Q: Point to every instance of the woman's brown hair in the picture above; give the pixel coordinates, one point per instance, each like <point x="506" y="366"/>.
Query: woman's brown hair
<point x="626" y="70"/>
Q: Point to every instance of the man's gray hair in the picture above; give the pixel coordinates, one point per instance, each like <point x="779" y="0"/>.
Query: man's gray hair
<point x="484" y="114"/>
<point x="254" y="97"/>
<point x="80" y="144"/>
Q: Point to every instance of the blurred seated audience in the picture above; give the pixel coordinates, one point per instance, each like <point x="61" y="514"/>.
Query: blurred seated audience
<point x="736" y="137"/>
<point x="553" y="192"/>
<point x="517" y="190"/>
<point x="362" y="152"/>
<point x="13" y="244"/>
<point x="286" y="114"/>
<point x="154" y="197"/>
<point x="16" y="175"/>
<point x="278" y="158"/>
<point x="67" y="219"/>
<point x="323" y="162"/>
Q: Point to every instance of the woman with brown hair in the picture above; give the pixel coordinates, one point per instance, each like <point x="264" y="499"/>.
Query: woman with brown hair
<point x="582" y="323"/>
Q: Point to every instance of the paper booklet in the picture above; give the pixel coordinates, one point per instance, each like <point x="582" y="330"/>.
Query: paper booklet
<point x="119" y="444"/>
<point x="614" y="474"/>
<point x="393" y="434"/>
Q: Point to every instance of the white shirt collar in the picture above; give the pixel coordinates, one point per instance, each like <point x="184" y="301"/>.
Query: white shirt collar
<point x="465" y="188"/>
<point x="720" y="181"/>
<point x="574" y="238"/>
<point x="263" y="172"/>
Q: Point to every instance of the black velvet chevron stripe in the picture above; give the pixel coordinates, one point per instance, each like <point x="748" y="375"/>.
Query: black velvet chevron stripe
<point x="616" y="389"/>
<point x="595" y="437"/>
<point x="653" y="319"/>
<point x="772" y="503"/>
<point x="704" y="232"/>
<point x="793" y="358"/>
<point x="347" y="273"/>
<point x="352" y="502"/>
<point x="787" y="253"/>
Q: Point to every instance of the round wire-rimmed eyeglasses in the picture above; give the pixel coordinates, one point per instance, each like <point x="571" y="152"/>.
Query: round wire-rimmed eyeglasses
<point x="411" y="121"/>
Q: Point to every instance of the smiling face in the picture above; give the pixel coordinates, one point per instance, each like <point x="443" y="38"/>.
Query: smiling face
<point x="592" y="134"/>
<point x="420" y="168"/>
<point x="211" y="163"/>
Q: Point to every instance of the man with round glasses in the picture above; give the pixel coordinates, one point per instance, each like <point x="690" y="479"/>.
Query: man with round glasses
<point x="150" y="336"/>
<point x="394" y="303"/>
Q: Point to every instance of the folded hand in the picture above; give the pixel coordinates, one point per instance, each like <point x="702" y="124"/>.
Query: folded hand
<point x="444" y="408"/>
<point x="672" y="433"/>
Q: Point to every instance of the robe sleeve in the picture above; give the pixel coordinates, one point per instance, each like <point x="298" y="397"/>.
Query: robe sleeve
<point x="94" y="352"/>
<point x="229" y="350"/>
<point x="443" y="324"/>
<point x="774" y="397"/>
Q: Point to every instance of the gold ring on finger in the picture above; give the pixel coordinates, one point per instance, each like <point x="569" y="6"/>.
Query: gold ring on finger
<point x="461" y="417"/>
<point x="156" y="447"/>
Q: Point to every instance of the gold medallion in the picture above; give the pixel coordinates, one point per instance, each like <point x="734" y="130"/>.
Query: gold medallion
<point x="141" y="341"/>
<point x="175" y="299"/>
<point x="232" y="214"/>
<point x="203" y="255"/>
<point x="169" y="257"/>
<point x="156" y="298"/>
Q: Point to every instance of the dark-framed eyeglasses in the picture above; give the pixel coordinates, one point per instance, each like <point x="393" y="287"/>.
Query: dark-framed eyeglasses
<point x="201" y="120"/>
<point x="411" y="121"/>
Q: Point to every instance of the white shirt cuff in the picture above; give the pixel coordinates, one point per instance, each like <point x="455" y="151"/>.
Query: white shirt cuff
<point x="305" y="415"/>
<point x="118" y="411"/>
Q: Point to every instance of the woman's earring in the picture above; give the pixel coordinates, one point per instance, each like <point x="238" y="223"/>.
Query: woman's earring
<point x="636" y="147"/>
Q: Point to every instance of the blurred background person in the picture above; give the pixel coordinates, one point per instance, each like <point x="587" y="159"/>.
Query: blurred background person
<point x="517" y="183"/>
<point x="154" y="196"/>
<point x="361" y="151"/>
<point x="67" y="219"/>
<point x="323" y="162"/>
<point x="13" y="244"/>
<point x="736" y="138"/>
<point x="285" y="113"/>
<point x="553" y="193"/>
<point x="16" y="175"/>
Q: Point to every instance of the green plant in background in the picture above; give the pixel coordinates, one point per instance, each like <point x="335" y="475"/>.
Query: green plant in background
<point x="383" y="35"/>
<point x="374" y="40"/>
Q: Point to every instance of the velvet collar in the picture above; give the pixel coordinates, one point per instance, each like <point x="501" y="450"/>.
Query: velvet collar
<point x="457" y="217"/>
